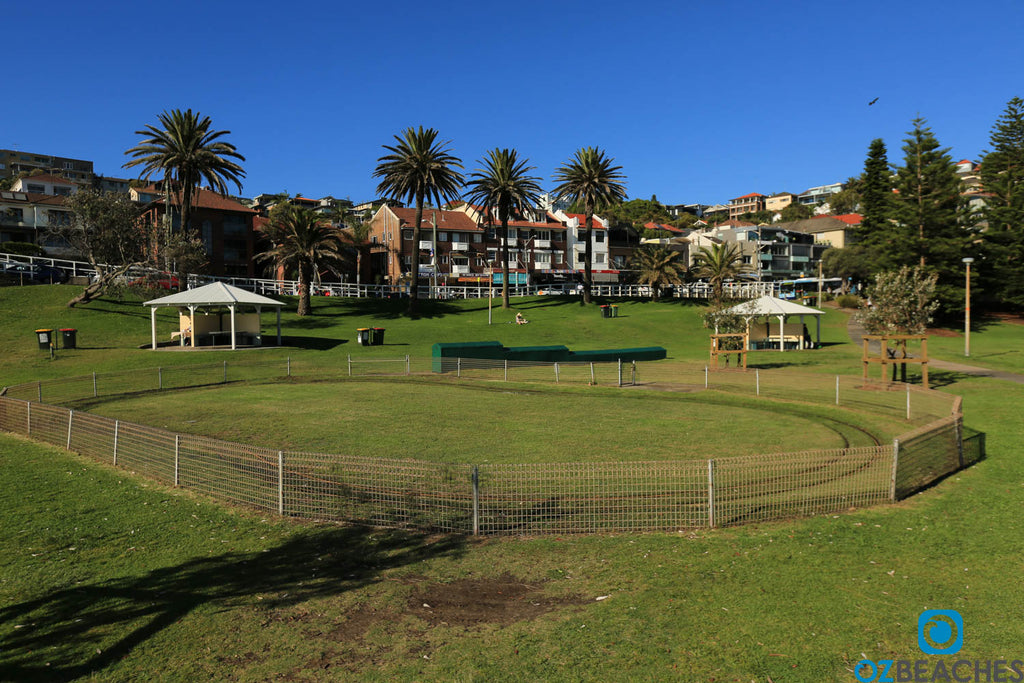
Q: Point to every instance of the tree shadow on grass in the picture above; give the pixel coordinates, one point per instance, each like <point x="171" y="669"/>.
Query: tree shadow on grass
<point x="82" y="630"/>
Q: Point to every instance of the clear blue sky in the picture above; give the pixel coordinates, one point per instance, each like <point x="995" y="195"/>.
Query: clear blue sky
<point x="698" y="101"/>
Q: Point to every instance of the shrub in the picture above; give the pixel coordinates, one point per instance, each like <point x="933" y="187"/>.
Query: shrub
<point x="848" y="301"/>
<point x="22" y="249"/>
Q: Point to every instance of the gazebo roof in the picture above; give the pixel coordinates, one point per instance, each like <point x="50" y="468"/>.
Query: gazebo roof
<point x="214" y="294"/>
<point x="769" y="305"/>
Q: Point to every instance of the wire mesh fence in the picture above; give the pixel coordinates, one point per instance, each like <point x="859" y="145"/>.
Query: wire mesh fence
<point x="583" y="497"/>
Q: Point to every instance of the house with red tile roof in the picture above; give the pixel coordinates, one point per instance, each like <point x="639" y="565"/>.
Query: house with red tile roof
<point x="225" y="227"/>
<point x="748" y="203"/>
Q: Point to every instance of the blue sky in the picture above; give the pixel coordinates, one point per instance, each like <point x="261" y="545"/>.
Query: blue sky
<point x="697" y="101"/>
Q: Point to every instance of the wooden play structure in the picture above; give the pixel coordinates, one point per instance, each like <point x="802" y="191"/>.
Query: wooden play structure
<point x="728" y="344"/>
<point x="898" y="354"/>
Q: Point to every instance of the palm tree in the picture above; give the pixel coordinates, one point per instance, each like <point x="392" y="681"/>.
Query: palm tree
<point x="418" y="168"/>
<point x="719" y="263"/>
<point x="504" y="184"/>
<point x="188" y="153"/>
<point x="590" y="179"/>
<point x="657" y="266"/>
<point x="301" y="240"/>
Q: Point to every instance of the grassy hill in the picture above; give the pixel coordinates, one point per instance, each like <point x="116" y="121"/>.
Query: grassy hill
<point x="107" y="577"/>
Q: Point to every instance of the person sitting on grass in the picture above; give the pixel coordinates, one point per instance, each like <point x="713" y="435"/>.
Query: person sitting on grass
<point x="520" y="320"/>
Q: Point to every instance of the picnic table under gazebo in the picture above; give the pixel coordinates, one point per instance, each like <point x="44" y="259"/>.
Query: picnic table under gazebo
<point x="773" y="309"/>
<point x="217" y="296"/>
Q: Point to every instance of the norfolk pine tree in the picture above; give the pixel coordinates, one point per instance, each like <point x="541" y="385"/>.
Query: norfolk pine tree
<point x="1002" y="176"/>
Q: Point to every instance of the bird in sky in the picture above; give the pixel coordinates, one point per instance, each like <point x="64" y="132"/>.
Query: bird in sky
<point x="872" y="101"/>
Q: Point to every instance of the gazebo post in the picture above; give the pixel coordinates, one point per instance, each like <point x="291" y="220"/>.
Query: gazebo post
<point x="232" y="309"/>
<point x="152" y="324"/>
<point x="782" y="333"/>
<point x="192" y="325"/>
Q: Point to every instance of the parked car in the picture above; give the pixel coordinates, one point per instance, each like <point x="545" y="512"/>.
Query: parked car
<point x="156" y="281"/>
<point x="15" y="272"/>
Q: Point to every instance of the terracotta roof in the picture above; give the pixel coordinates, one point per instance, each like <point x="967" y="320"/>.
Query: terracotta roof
<point x="747" y="196"/>
<point x="48" y="178"/>
<point x="850" y="218"/>
<point x="661" y="226"/>
<point x="582" y="218"/>
<point x="204" y="199"/>
<point x="446" y="220"/>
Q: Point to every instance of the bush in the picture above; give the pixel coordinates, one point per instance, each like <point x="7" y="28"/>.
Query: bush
<point x="22" y="249"/>
<point x="848" y="301"/>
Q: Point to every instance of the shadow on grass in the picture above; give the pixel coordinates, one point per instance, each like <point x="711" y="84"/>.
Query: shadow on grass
<point x="312" y="343"/>
<point x="82" y="630"/>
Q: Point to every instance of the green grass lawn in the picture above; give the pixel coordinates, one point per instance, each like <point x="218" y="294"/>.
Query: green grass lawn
<point x="482" y="423"/>
<point x="106" y="577"/>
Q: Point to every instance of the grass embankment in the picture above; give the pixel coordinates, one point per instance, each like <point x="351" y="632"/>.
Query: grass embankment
<point x="109" y="578"/>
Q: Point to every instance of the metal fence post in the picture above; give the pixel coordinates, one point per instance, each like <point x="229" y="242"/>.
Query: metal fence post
<point x="408" y="370"/>
<point x="705" y="377"/>
<point x="280" y="483"/>
<point x="288" y="372"/>
<point x="159" y="378"/>
<point x="556" y="373"/>
<point x="960" y="441"/>
<point x="225" y="372"/>
<point x="895" y="465"/>
<point x="711" y="493"/>
<point x="620" y="372"/>
<point x="350" y="365"/>
<point x="506" y="369"/>
<point x="837" y="389"/>
<point x="117" y="428"/>
<point x="633" y="380"/>
<point x="908" y="401"/>
<point x="757" y="381"/>
<point x="458" y="367"/>
<point x="177" y="455"/>
<point x="71" y="416"/>
<point x="476" y="500"/>
<point x="95" y="393"/>
<point x="39" y="387"/>
<point x="592" y="380"/>
<point x="28" y="418"/>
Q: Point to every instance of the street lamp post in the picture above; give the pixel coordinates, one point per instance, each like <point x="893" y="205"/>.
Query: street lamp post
<point x="967" y="311"/>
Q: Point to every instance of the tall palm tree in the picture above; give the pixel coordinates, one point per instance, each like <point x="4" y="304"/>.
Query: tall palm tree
<point x="657" y="266"/>
<point x="590" y="179"/>
<point x="719" y="263"/>
<point x="418" y="168"/>
<point x="187" y="153"/>
<point x="504" y="184"/>
<point x="301" y="240"/>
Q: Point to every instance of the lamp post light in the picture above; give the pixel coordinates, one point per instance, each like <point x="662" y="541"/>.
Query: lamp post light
<point x="967" y="311"/>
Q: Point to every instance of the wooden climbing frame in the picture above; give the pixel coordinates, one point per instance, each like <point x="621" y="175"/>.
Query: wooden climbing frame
<point x="887" y="355"/>
<point x="719" y="347"/>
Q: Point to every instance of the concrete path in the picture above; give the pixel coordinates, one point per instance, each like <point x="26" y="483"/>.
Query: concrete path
<point x="857" y="333"/>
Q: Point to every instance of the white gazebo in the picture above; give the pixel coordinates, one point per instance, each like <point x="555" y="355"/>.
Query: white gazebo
<point x="770" y="307"/>
<point x="216" y="295"/>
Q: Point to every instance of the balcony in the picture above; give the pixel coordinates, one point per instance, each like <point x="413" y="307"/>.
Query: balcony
<point x="461" y="270"/>
<point x="542" y="244"/>
<point x="426" y="244"/>
<point x="460" y="246"/>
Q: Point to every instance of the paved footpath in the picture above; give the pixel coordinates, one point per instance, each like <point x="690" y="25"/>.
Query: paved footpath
<point x="857" y="333"/>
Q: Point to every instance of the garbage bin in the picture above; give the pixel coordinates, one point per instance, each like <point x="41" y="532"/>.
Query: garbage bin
<point x="377" y="336"/>
<point x="615" y="310"/>
<point x="69" y="337"/>
<point x="606" y="312"/>
<point x="363" y="336"/>
<point x="45" y="337"/>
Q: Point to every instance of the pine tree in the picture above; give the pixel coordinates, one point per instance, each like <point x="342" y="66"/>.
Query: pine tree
<point x="1002" y="175"/>
<point x="877" y="231"/>
<point x="930" y="213"/>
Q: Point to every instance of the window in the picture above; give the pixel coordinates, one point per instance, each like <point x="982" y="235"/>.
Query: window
<point x="477" y="238"/>
<point x="58" y="217"/>
<point x="558" y="257"/>
<point x="406" y="233"/>
<point x="492" y="233"/>
<point x="457" y="237"/>
<point x="492" y="255"/>
<point x="512" y="233"/>
<point x="480" y="260"/>
<point x="234" y="226"/>
<point x="599" y="235"/>
<point x="543" y="235"/>
<point x="442" y="237"/>
<point x="62" y="191"/>
<point x="542" y="257"/>
<point x="38" y="189"/>
<point x="206" y="232"/>
<point x="12" y="215"/>
<point x="599" y="257"/>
